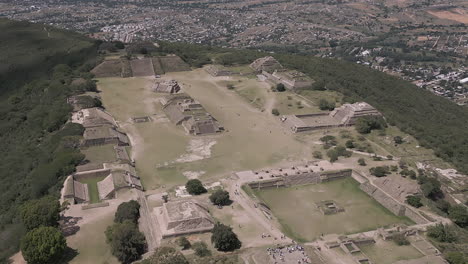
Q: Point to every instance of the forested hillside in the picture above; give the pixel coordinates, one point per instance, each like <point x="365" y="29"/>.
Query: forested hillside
<point x="37" y="66"/>
<point x="29" y="51"/>
<point x="436" y="122"/>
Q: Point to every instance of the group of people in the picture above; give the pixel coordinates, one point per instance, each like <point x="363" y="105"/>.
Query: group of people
<point x="289" y="254"/>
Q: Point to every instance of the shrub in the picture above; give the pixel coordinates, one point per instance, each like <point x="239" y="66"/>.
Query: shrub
<point x="41" y="212"/>
<point x="349" y="144"/>
<point x="455" y="257"/>
<point x="329" y="140"/>
<point x="43" y="245"/>
<point x="166" y="255"/>
<point x="362" y="162"/>
<point x="326" y="105"/>
<point x="400" y="240"/>
<point x="195" y="187"/>
<point x="230" y="86"/>
<point x="126" y="241"/>
<point x="275" y="112"/>
<point x="443" y="205"/>
<point x="398" y="140"/>
<point x="317" y="154"/>
<point x="365" y="125"/>
<point x="280" y="87"/>
<point x="184" y="243"/>
<point x="414" y="201"/>
<point x="459" y="215"/>
<point x="379" y="171"/>
<point x="220" y="197"/>
<point x="442" y="233"/>
<point x="201" y="249"/>
<point x="128" y="211"/>
<point x="224" y="239"/>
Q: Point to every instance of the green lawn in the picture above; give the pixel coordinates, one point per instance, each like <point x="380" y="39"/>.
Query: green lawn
<point x="100" y="154"/>
<point x="92" y="188"/>
<point x="387" y="252"/>
<point x="362" y="213"/>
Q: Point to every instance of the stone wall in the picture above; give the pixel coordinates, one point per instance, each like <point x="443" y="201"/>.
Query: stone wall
<point x="391" y="204"/>
<point x="327" y="176"/>
<point x="91" y="174"/>
<point x="274" y="183"/>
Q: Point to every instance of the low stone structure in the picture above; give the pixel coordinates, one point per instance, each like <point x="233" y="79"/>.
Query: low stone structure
<point x="346" y="115"/>
<point x="183" y="110"/>
<point x="75" y="191"/>
<point x="121" y="154"/>
<point x="329" y="207"/>
<point x="182" y="218"/>
<point x="297" y="175"/>
<point x="101" y="135"/>
<point x="218" y="70"/>
<point x="93" y="117"/>
<point x="168" y="86"/>
<point x="266" y="64"/>
<point x="291" y="79"/>
<point x="117" y="180"/>
<point x="141" y="119"/>
<point x="390" y="233"/>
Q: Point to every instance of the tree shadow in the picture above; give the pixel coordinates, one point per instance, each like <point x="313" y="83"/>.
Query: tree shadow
<point x="68" y="255"/>
<point x="69" y="225"/>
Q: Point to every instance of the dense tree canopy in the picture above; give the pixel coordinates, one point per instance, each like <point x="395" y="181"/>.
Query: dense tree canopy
<point x="224" y="239"/>
<point x="43" y="245"/>
<point x="128" y="211"/>
<point x="40" y="212"/>
<point x="195" y="187"/>
<point x="220" y="197"/>
<point x="126" y="241"/>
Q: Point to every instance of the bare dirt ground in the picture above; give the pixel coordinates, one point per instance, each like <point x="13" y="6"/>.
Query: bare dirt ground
<point x="89" y="240"/>
<point x="457" y="14"/>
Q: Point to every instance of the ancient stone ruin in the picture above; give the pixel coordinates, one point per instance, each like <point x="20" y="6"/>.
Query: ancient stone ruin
<point x="346" y="115"/>
<point x="183" y="110"/>
<point x="182" y="218"/>
<point x="329" y="207"/>
<point x="218" y="70"/>
<point x="101" y="135"/>
<point x="168" y="86"/>
<point x="267" y="64"/>
<point x="272" y="71"/>
<point x="115" y="181"/>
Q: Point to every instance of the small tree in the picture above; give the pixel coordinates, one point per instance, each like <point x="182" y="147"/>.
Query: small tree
<point x="400" y="240"/>
<point x="414" y="201"/>
<point x="126" y="241"/>
<point x="442" y="233"/>
<point x="166" y="255"/>
<point x="380" y="171"/>
<point x="220" y="197"/>
<point x="224" y="239"/>
<point x="184" y="243"/>
<point x="275" y="112"/>
<point x="43" y="245"/>
<point x="280" y="87"/>
<point x="333" y="155"/>
<point x="455" y="257"/>
<point x="317" y="154"/>
<point x="230" y="86"/>
<point x="326" y="105"/>
<point x="201" y="249"/>
<point x="349" y="144"/>
<point x="362" y="162"/>
<point x="398" y="140"/>
<point x="128" y="211"/>
<point x="41" y="212"/>
<point x="443" y="205"/>
<point x="195" y="187"/>
<point x="459" y="215"/>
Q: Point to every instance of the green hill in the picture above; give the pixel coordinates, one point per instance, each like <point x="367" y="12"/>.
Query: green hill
<point x="29" y="51"/>
<point x="37" y="65"/>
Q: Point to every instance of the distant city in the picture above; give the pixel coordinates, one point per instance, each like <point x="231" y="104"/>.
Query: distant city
<point x="425" y="43"/>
